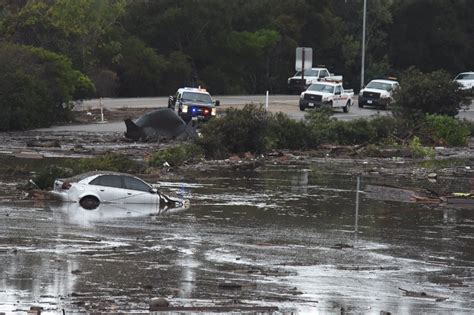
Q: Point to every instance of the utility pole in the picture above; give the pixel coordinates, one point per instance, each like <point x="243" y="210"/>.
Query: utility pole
<point x="362" y="71"/>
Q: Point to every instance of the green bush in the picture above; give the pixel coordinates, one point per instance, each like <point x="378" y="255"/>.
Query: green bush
<point x="418" y="150"/>
<point x="46" y="176"/>
<point x="113" y="162"/>
<point x="286" y="133"/>
<point x="36" y="87"/>
<point x="177" y="155"/>
<point x="446" y="130"/>
<point x="239" y="131"/>
<point x="427" y="93"/>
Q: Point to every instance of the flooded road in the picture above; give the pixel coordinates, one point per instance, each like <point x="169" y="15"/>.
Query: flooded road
<point x="277" y="236"/>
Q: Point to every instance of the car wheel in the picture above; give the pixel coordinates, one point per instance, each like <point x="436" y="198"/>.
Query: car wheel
<point x="361" y="105"/>
<point x="89" y="202"/>
<point x="345" y="109"/>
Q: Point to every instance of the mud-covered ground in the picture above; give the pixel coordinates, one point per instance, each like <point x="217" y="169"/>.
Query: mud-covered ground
<point x="271" y="234"/>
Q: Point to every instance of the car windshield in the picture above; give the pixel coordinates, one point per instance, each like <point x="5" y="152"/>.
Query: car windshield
<point x="318" y="87"/>
<point x="197" y="97"/>
<point x="308" y="73"/>
<point x="465" y="76"/>
<point x="379" y="86"/>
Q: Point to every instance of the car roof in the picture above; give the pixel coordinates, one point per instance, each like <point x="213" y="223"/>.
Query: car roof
<point x="82" y="176"/>
<point x="467" y="72"/>
<point x="384" y="81"/>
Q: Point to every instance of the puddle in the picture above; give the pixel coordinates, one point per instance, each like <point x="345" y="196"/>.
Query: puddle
<point x="277" y="237"/>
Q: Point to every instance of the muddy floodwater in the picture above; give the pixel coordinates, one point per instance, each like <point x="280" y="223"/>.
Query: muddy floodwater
<point x="277" y="236"/>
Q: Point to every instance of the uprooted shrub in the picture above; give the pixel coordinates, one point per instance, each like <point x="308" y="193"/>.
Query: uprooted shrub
<point x="45" y="178"/>
<point x="445" y="130"/>
<point x="177" y="155"/>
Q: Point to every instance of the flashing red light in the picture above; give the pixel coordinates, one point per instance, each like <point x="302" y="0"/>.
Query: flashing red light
<point x="66" y="185"/>
<point x="206" y="111"/>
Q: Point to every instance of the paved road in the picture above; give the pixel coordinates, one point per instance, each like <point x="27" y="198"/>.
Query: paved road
<point x="284" y="103"/>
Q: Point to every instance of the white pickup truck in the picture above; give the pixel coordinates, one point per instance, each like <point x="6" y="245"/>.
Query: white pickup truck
<point x="310" y="76"/>
<point x="328" y="93"/>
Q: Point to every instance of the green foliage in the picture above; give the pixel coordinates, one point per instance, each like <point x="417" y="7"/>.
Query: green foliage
<point x="238" y="131"/>
<point x="446" y="130"/>
<point x="36" y="87"/>
<point x="427" y="93"/>
<point x="84" y="88"/>
<point x="254" y="130"/>
<point x="46" y="176"/>
<point x="418" y="150"/>
<point x="113" y="162"/>
<point x="286" y="133"/>
<point x="177" y="155"/>
<point x="140" y="70"/>
<point x="238" y="46"/>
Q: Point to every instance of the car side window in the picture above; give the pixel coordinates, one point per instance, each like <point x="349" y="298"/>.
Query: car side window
<point x="323" y="74"/>
<point x="135" y="184"/>
<point x="108" y="180"/>
<point x="338" y="89"/>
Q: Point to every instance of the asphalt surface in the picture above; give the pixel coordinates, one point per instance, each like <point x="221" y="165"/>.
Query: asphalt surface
<point x="276" y="103"/>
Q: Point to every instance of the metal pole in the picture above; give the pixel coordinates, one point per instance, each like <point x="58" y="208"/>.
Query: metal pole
<point x="356" y="223"/>
<point x="266" y="102"/>
<point x="302" y="70"/>
<point x="363" y="46"/>
<point x="101" y="110"/>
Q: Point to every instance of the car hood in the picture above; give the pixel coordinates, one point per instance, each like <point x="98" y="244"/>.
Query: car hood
<point x="323" y="94"/>
<point x="382" y="92"/>
<point x="466" y="83"/>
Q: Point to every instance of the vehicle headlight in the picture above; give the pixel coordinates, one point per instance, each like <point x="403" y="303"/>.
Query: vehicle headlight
<point x="302" y="95"/>
<point x="288" y="81"/>
<point x="325" y="99"/>
<point x="384" y="96"/>
<point x="185" y="109"/>
<point x="213" y="112"/>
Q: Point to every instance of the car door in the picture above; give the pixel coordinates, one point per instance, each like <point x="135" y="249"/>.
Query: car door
<point x="138" y="191"/>
<point x="338" y="96"/>
<point x="108" y="188"/>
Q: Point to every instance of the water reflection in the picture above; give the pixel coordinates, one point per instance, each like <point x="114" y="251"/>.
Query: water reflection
<point x="72" y="212"/>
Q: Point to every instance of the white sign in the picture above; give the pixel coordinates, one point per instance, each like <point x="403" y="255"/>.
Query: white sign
<point x="304" y="58"/>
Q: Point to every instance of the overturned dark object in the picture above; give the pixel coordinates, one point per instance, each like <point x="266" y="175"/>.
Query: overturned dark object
<point x="162" y="123"/>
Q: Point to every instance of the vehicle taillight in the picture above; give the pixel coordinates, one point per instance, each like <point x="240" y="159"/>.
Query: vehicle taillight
<point x="66" y="186"/>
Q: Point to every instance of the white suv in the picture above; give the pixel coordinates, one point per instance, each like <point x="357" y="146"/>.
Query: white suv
<point x="465" y="80"/>
<point x="378" y="93"/>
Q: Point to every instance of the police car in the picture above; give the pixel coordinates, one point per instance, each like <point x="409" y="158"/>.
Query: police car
<point x="193" y="104"/>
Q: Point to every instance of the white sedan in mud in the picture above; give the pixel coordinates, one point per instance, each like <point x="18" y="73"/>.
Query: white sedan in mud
<point x="92" y="189"/>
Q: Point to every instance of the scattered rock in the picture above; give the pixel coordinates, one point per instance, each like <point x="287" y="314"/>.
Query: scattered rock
<point x="230" y="286"/>
<point x="158" y="303"/>
<point x="43" y="144"/>
<point x="341" y="246"/>
<point x="35" y="310"/>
